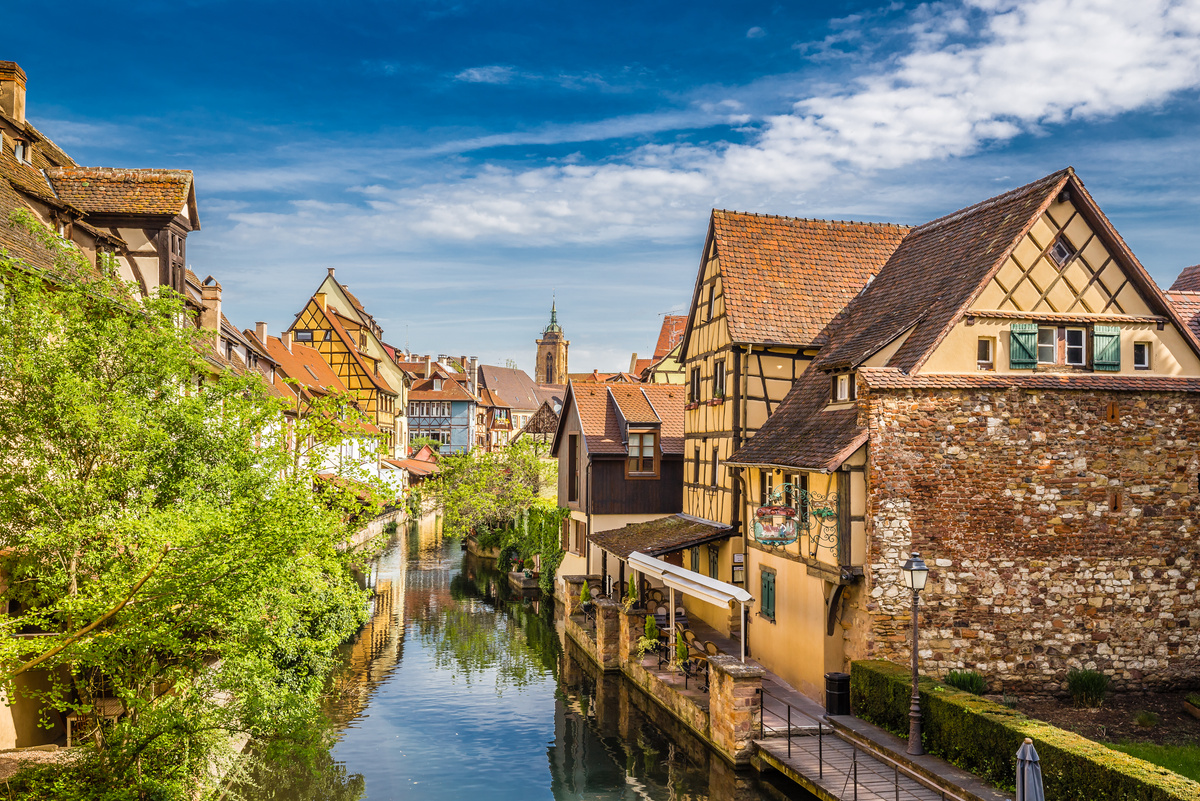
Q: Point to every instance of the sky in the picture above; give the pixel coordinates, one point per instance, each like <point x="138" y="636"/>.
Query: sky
<point x="462" y="163"/>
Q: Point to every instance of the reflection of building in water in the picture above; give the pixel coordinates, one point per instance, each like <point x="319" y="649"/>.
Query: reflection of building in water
<point x="377" y="649"/>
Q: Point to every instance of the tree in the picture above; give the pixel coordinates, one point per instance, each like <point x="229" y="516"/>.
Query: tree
<point x="157" y="530"/>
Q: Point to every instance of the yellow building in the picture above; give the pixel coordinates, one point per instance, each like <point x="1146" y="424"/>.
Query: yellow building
<point x="1009" y="397"/>
<point x="336" y="324"/>
<point x="766" y="288"/>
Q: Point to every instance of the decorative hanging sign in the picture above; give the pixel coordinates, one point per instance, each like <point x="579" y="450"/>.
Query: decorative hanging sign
<point x="775" y="525"/>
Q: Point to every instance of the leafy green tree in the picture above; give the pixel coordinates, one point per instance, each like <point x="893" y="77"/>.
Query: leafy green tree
<point x="159" y="535"/>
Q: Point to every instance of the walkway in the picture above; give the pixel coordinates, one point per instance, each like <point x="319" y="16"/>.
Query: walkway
<point x="843" y="771"/>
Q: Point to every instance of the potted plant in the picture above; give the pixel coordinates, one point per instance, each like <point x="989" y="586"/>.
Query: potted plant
<point x="649" y="639"/>
<point x="681" y="653"/>
<point x="585" y="597"/>
<point x="631" y="595"/>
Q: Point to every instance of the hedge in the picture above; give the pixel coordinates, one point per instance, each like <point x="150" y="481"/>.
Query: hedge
<point x="983" y="737"/>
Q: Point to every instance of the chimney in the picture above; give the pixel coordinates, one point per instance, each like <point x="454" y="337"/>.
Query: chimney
<point x="428" y="366"/>
<point x="330" y="271"/>
<point x="633" y="363"/>
<point x="286" y="339"/>
<point x="12" y="90"/>
<point x="260" y="330"/>
<point x="474" y="374"/>
<point x="210" y="313"/>
<point x="320" y="299"/>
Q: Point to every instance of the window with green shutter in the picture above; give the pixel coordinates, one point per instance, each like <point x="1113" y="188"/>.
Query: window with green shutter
<point x="1022" y="346"/>
<point x="1106" y="348"/>
<point x="766" y="602"/>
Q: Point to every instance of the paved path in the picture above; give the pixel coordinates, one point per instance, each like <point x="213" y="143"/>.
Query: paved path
<point x="876" y="780"/>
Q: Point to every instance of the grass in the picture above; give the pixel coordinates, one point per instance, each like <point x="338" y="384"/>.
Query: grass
<point x="1146" y="719"/>
<point x="967" y="680"/>
<point x="1194" y="699"/>
<point x="1182" y="759"/>
<point x="1087" y="687"/>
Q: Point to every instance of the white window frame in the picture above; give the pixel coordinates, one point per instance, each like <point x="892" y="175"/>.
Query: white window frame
<point x="1081" y="347"/>
<point x="1147" y="356"/>
<point x="990" y="362"/>
<point x="1052" y="344"/>
<point x="843" y="388"/>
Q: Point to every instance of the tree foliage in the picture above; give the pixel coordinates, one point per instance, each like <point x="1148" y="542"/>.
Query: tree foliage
<point x="158" y="537"/>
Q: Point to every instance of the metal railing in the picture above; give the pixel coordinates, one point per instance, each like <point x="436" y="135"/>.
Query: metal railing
<point x="851" y="774"/>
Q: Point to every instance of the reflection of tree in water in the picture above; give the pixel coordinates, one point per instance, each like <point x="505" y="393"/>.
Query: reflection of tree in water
<point x="286" y="780"/>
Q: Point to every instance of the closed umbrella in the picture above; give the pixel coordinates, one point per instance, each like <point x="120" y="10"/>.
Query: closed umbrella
<point x="1029" y="774"/>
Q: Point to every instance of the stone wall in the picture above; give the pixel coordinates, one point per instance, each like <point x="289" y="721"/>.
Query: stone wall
<point x="1055" y="537"/>
<point x="734" y="706"/>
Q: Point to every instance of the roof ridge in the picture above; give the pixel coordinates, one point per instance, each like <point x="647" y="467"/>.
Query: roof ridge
<point x="991" y="202"/>
<point x="812" y="219"/>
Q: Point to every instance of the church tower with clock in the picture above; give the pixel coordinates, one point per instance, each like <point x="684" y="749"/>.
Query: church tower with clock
<point x="551" y="365"/>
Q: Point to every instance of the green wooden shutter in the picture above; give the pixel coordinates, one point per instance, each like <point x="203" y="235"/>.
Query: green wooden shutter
<point x="1106" y="348"/>
<point x="768" y="594"/>
<point x="1022" y="346"/>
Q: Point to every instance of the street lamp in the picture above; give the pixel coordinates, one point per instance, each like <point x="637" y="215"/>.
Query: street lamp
<point x="915" y="574"/>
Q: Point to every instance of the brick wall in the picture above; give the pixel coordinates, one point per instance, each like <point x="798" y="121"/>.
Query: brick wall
<point x="1055" y="537"/>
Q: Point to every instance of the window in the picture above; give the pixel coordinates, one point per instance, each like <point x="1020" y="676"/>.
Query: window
<point x="719" y="379"/>
<point x="694" y="386"/>
<point x="329" y="335"/>
<point x="22" y="151"/>
<point x="696" y="466"/>
<point x="643" y="448"/>
<point x="1141" y="355"/>
<point x="715" y="463"/>
<point x="712" y="300"/>
<point x="1076" y="347"/>
<point x="765" y="482"/>
<point x="304" y="335"/>
<point x="1062" y="251"/>
<point x="714" y="561"/>
<point x="572" y="468"/>
<point x="986" y="354"/>
<point x="1047" y="345"/>
<point x="695" y="559"/>
<point x="842" y="388"/>
<point x="766" y="602"/>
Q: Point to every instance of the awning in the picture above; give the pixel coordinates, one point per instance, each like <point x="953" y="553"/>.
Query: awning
<point x="662" y="536"/>
<point x="693" y="584"/>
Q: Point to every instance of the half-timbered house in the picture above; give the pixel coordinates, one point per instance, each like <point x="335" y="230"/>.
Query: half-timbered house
<point x="766" y="288"/>
<point x="334" y="323"/>
<point x="1014" y="398"/>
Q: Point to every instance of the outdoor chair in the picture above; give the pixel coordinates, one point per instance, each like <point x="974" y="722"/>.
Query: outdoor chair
<point x="711" y="649"/>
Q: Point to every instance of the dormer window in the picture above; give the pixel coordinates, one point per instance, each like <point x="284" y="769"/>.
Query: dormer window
<point x="22" y="151"/>
<point x="643" y="455"/>
<point x="1062" y="251"/>
<point x="437" y="385"/>
<point x="842" y="388"/>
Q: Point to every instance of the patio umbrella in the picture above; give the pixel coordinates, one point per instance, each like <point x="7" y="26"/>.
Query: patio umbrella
<point x="1029" y="774"/>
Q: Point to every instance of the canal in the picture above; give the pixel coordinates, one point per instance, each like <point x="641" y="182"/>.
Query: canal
<point x="455" y="689"/>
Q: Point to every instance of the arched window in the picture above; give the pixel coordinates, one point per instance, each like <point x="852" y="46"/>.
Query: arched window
<point x="549" y="368"/>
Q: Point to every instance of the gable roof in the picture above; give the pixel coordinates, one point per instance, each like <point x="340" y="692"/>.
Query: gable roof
<point x="109" y="190"/>
<point x="351" y="344"/>
<point x="512" y="385"/>
<point x="422" y="390"/>
<point x="1188" y="280"/>
<point x="601" y="410"/>
<point x="1187" y="305"/>
<point x="304" y="365"/>
<point x="785" y="278"/>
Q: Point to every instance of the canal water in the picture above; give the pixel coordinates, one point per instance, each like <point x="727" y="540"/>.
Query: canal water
<point x="457" y="689"/>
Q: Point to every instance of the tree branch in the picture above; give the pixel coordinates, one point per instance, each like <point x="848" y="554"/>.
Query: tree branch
<point x="83" y="632"/>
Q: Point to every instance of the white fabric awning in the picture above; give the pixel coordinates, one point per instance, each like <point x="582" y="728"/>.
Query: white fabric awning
<point x="689" y="582"/>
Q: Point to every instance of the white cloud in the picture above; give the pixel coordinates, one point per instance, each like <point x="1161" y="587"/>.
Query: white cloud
<point x="491" y="74"/>
<point x="755" y="33"/>
<point x="971" y="75"/>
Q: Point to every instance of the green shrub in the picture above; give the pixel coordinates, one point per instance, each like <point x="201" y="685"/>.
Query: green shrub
<point x="651" y="628"/>
<point x="1146" y="719"/>
<point x="1087" y="687"/>
<point x="1194" y="699"/>
<point x="983" y="737"/>
<point x="971" y="681"/>
<point x="585" y="593"/>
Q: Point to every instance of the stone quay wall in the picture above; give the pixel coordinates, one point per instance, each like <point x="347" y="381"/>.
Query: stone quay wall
<point x="1060" y="528"/>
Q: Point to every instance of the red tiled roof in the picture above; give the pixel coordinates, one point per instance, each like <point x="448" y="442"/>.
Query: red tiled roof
<point x="1188" y="280"/>
<point x="422" y="390"/>
<point x="305" y="366"/>
<point x="352" y="346"/>
<point x="669" y="336"/>
<point x="934" y="274"/>
<point x="785" y="278"/>
<point x="640" y="365"/>
<point x="1187" y="304"/>
<point x="104" y="190"/>
<point x="662" y="536"/>
<point x="639" y="404"/>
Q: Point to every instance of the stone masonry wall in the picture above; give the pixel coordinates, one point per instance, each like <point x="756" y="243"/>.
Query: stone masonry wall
<point x="1055" y="538"/>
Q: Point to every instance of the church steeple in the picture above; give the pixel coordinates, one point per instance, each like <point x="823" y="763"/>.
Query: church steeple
<point x="551" y="364"/>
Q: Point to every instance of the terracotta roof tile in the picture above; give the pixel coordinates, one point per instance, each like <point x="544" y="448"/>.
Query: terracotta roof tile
<point x="669" y="336"/>
<point x="422" y="390"/>
<point x="785" y="278"/>
<point x="888" y="378"/>
<point x="1187" y="304"/>
<point x="305" y="366"/>
<point x="647" y="403"/>
<point x="1188" y="280"/>
<point x="103" y="190"/>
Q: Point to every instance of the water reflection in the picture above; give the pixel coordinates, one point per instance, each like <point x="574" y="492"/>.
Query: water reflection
<point x="458" y="689"/>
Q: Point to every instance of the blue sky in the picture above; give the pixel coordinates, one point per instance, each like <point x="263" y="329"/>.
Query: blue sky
<point x="459" y="161"/>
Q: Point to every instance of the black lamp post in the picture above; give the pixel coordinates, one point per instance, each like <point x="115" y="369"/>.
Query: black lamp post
<point x="915" y="574"/>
